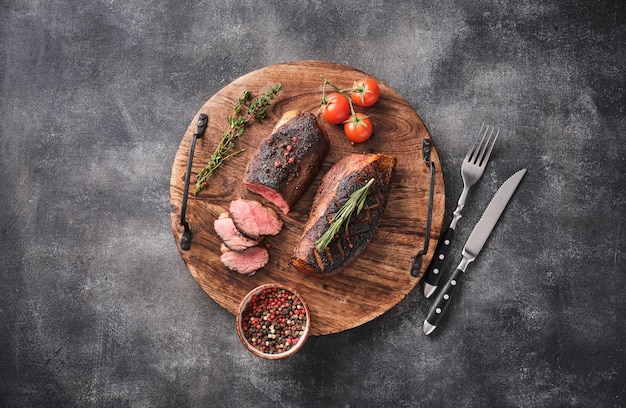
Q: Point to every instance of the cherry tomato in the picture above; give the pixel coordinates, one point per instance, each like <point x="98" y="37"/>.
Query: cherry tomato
<point x="358" y="128"/>
<point x="365" y="92"/>
<point x="335" y="109"/>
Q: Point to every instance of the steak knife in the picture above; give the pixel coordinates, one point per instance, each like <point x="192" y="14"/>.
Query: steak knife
<point x="472" y="248"/>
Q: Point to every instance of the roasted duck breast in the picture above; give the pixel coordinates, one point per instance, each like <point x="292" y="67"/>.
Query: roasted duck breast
<point x="345" y="177"/>
<point x="247" y="261"/>
<point x="287" y="161"/>
<point x="254" y="220"/>
<point x="230" y="235"/>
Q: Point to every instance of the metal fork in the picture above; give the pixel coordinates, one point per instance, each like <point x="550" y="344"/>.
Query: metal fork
<point x="472" y="170"/>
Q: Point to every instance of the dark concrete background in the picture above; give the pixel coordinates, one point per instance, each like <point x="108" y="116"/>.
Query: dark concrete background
<point x="98" y="309"/>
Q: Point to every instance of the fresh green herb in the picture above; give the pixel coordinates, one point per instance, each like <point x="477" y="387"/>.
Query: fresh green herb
<point x="244" y="114"/>
<point x="355" y="202"/>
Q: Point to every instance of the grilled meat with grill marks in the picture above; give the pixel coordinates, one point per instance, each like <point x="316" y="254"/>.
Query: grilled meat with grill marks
<point x="345" y="177"/>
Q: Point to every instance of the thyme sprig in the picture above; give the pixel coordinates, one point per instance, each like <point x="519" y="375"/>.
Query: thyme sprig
<point x="343" y="216"/>
<point x="246" y="111"/>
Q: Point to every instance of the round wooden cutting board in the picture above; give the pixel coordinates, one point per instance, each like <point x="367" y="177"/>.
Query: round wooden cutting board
<point x="379" y="278"/>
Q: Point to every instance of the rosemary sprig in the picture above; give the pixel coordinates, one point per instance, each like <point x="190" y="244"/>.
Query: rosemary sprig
<point x="343" y="216"/>
<point x="245" y="112"/>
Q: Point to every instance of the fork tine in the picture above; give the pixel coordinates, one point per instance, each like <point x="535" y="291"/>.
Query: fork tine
<point x="483" y="147"/>
<point x="474" y="150"/>
<point x="470" y="156"/>
<point x="487" y="148"/>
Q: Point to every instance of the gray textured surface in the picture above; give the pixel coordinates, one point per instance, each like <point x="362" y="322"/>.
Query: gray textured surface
<point x="98" y="309"/>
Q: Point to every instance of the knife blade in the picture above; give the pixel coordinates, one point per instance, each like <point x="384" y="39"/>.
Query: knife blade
<point x="472" y="248"/>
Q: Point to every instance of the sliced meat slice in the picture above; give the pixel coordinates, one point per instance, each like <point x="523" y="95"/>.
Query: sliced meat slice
<point x="230" y="235"/>
<point x="246" y="262"/>
<point x="288" y="160"/>
<point x="345" y="177"/>
<point x="253" y="220"/>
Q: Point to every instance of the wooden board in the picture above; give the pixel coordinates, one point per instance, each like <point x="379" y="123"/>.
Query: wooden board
<point x="379" y="278"/>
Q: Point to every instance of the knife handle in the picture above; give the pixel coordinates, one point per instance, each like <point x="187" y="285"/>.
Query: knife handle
<point x="433" y="273"/>
<point x="442" y="301"/>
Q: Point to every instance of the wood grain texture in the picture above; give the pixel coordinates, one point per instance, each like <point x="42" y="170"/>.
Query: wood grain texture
<point x="379" y="278"/>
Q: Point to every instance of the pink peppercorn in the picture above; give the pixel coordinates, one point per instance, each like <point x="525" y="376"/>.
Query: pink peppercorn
<point x="264" y="323"/>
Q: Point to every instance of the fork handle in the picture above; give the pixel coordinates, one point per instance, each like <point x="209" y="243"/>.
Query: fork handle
<point x="433" y="273"/>
<point x="442" y="301"/>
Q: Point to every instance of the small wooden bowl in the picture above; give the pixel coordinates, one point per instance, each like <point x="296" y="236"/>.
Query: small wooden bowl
<point x="290" y="330"/>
